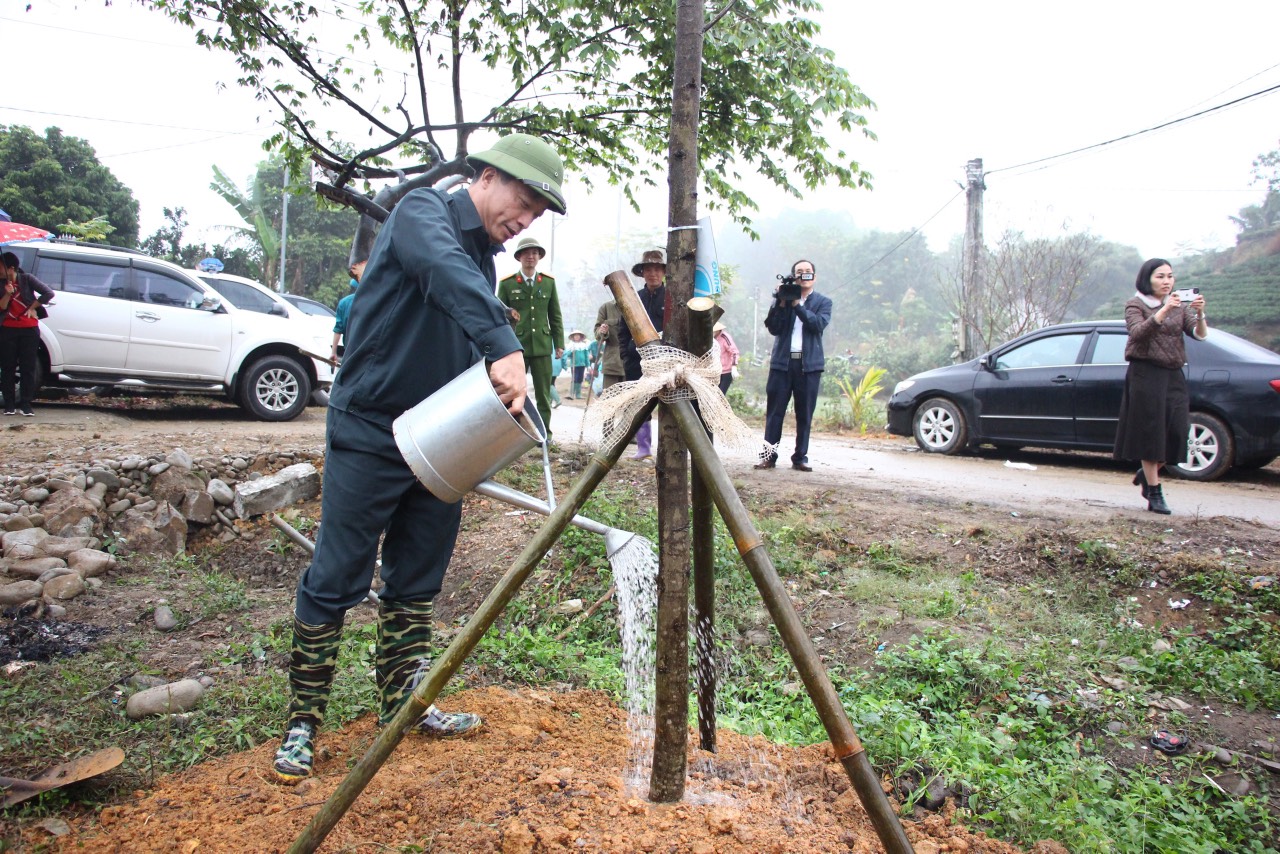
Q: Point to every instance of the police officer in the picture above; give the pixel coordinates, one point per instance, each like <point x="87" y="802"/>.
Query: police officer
<point x="425" y="312"/>
<point x="540" y="327"/>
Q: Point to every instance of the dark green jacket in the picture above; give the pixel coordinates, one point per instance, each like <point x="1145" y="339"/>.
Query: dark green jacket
<point x="541" y="327"/>
<point x="425" y="310"/>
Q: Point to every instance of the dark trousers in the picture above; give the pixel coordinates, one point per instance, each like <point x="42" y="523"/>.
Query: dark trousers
<point x="540" y="368"/>
<point x="726" y="380"/>
<point x="18" y="348"/>
<point x="778" y="390"/>
<point x="369" y="489"/>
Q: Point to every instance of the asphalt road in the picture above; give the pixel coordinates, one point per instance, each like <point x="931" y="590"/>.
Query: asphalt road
<point x="1057" y="484"/>
<point x="1026" y="482"/>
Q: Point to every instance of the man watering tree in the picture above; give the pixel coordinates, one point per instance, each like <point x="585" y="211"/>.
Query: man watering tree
<point x="424" y="313"/>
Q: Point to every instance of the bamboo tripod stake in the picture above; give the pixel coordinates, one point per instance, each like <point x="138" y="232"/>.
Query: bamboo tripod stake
<point x="844" y="741"/>
<point x="448" y="662"/>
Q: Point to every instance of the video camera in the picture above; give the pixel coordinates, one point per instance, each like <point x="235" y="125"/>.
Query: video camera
<point x="789" y="289"/>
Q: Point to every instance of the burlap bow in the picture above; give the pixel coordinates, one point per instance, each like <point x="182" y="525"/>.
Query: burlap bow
<point x="672" y="374"/>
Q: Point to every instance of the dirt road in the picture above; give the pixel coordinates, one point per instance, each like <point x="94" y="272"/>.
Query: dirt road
<point x="1059" y="484"/>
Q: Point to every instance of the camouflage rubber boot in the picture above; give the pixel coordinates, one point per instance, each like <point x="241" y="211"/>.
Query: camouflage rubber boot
<point x="404" y="645"/>
<point x="403" y="658"/>
<point x="312" y="661"/>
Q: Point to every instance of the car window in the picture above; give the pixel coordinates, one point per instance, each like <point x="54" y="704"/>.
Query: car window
<point x="97" y="280"/>
<point x="312" y="307"/>
<point x="1043" y="352"/>
<point x="49" y="271"/>
<point x="159" y="288"/>
<point x="1109" y="350"/>
<point x="241" y="295"/>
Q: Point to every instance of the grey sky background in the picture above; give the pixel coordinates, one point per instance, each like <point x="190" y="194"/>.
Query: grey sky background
<point x="1009" y="82"/>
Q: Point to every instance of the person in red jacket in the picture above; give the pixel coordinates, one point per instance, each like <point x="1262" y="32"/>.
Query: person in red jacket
<point x="21" y="299"/>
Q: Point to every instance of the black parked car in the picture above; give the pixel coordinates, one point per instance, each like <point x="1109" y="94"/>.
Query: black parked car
<point x="1060" y="387"/>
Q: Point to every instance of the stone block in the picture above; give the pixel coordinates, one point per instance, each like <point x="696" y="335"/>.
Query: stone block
<point x="299" y="482"/>
<point x="91" y="562"/>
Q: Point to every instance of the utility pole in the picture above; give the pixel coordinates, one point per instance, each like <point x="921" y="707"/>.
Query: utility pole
<point x="970" y="282"/>
<point x="284" y="228"/>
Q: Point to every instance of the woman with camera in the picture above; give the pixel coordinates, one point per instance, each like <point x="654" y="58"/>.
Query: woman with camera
<point x="1155" y="411"/>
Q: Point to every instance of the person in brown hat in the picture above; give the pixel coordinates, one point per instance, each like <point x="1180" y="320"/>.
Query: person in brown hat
<point x="540" y="326"/>
<point x="653" y="296"/>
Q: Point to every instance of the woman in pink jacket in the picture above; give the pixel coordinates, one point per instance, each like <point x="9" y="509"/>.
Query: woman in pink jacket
<point x="728" y="357"/>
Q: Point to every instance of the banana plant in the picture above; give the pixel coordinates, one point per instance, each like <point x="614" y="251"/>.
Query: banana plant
<point x="251" y="208"/>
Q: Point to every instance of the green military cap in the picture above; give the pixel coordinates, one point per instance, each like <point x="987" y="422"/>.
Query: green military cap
<point x="529" y="160"/>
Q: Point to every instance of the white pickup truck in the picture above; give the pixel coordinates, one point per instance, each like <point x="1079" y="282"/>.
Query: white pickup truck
<point x="121" y="318"/>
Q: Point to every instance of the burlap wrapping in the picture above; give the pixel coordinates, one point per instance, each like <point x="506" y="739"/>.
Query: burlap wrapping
<point x="672" y="374"/>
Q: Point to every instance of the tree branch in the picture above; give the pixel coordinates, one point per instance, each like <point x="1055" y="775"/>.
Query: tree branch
<point x="719" y="15"/>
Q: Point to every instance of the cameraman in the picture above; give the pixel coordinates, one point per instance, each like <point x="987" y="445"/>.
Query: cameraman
<point x="796" y="319"/>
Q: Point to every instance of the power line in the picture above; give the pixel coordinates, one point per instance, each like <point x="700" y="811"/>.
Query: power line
<point x="220" y="132"/>
<point x="913" y="233"/>
<point x="1240" y="100"/>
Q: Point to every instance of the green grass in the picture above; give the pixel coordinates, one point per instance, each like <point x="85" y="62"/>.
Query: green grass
<point x="992" y="684"/>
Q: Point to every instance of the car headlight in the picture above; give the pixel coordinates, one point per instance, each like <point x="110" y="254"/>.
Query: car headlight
<point x="903" y="386"/>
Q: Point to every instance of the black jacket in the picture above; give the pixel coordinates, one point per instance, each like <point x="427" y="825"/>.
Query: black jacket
<point x="654" y="303"/>
<point x="814" y="316"/>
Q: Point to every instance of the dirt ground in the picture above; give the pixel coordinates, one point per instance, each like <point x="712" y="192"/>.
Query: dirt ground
<point x="548" y="773"/>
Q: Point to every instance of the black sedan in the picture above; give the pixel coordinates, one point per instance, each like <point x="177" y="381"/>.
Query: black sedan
<point x="1060" y="387"/>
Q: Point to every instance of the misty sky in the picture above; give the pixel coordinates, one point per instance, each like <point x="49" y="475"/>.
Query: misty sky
<point x="1008" y="82"/>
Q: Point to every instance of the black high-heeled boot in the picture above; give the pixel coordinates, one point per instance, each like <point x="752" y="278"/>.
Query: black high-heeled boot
<point x="1155" y="501"/>
<point x="1140" y="479"/>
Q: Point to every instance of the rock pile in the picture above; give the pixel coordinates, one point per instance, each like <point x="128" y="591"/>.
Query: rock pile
<point x="64" y="527"/>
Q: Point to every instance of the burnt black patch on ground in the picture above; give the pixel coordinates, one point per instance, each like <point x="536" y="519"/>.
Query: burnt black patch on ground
<point x="44" y="640"/>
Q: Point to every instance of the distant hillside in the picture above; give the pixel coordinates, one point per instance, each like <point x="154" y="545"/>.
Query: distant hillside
<point x="1241" y="287"/>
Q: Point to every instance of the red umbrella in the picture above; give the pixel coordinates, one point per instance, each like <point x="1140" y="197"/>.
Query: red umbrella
<point x="12" y="232"/>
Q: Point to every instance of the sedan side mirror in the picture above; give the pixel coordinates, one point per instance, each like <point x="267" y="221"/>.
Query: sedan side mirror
<point x="210" y="303"/>
<point x="988" y="362"/>
<point x="278" y="310"/>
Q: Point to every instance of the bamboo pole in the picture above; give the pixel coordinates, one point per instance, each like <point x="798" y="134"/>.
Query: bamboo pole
<point x="844" y="741"/>
<point x="448" y="662"/>
<point x="702" y="317"/>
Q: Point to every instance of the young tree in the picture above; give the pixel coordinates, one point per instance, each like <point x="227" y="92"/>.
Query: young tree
<point x="1026" y="283"/>
<point x="55" y="179"/>
<point x="594" y="77"/>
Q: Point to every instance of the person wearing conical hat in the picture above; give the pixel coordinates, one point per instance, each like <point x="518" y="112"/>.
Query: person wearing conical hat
<point x="540" y="327"/>
<point x="424" y="313"/>
<point x="580" y="355"/>
<point x="652" y="267"/>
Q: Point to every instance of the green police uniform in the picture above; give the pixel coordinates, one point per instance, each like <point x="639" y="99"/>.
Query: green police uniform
<point x="540" y="329"/>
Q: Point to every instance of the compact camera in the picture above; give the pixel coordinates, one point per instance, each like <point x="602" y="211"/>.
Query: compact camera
<point x="1187" y="294"/>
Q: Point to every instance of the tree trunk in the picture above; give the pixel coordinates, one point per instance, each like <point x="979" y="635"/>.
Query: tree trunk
<point x="671" y="692"/>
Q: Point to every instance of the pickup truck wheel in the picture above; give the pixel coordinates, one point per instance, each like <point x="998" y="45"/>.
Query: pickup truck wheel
<point x="275" y="388"/>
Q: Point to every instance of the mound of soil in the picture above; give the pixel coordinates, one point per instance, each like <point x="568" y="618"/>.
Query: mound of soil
<point x="548" y="773"/>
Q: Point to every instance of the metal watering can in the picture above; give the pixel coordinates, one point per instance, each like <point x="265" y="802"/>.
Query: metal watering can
<point x="463" y="434"/>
